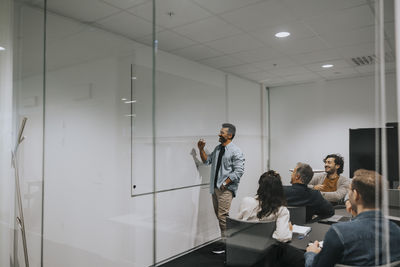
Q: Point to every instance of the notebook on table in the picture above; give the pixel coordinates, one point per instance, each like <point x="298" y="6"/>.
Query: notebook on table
<point x="301" y="230"/>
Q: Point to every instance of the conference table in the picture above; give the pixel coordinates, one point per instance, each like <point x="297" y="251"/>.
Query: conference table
<point x="318" y="231"/>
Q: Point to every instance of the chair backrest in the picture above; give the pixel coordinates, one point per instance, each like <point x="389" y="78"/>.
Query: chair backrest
<point x="247" y="242"/>
<point x="394" y="198"/>
<point x="297" y="214"/>
<point x="392" y="264"/>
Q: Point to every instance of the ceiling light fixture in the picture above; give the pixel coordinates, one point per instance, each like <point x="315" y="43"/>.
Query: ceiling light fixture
<point x="327" y="66"/>
<point x="2" y="48"/>
<point x="282" y="34"/>
<point x="129" y="102"/>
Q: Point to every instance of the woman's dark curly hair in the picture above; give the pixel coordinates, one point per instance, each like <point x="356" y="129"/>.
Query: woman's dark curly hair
<point x="270" y="193"/>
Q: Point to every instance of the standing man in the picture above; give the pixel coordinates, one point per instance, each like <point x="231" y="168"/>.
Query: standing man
<point x="227" y="166"/>
<point x="298" y="194"/>
<point x="331" y="184"/>
<point x="361" y="241"/>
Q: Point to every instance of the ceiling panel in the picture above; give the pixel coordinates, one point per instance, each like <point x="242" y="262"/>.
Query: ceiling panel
<point x="311" y="8"/>
<point x="222" y="61"/>
<point x="301" y="46"/>
<point x="365" y="69"/>
<point x="220" y="6"/>
<point x="260" y="76"/>
<point x="317" y="56"/>
<point x="237" y="36"/>
<point x="88" y="45"/>
<point x="290" y="71"/>
<point x="69" y="26"/>
<point x="297" y="30"/>
<point x="346" y="38"/>
<point x="277" y="81"/>
<point x="242" y="69"/>
<point x="370" y="69"/>
<point x="236" y="43"/>
<point x="345" y="20"/>
<point x="168" y="40"/>
<point x="171" y="13"/>
<point x="303" y="77"/>
<point x="128" y="25"/>
<point x="84" y="11"/>
<point x="338" y="73"/>
<point x="124" y="4"/>
<point x="197" y="52"/>
<point x="337" y="64"/>
<point x="364" y="49"/>
<point x="281" y="62"/>
<point x="258" y="16"/>
<point x="207" y="30"/>
<point x="260" y="54"/>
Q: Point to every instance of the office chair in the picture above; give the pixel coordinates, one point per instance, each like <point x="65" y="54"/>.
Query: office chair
<point x="247" y="242"/>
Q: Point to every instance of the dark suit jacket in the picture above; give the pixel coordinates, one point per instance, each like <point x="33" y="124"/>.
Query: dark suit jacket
<point x="301" y="195"/>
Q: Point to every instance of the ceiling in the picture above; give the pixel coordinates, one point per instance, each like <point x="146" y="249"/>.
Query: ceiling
<point x="238" y="36"/>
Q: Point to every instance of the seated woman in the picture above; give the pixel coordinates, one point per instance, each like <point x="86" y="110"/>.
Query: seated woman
<point x="268" y="205"/>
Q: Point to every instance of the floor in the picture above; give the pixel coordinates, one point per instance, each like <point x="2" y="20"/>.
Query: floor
<point x="202" y="257"/>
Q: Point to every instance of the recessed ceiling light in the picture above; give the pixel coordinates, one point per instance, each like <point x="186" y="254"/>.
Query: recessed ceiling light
<point x="327" y="66"/>
<point x="282" y="34"/>
<point x="2" y="48"/>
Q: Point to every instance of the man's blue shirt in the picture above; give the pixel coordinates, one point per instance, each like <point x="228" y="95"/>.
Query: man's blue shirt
<point x="232" y="166"/>
<point x="353" y="243"/>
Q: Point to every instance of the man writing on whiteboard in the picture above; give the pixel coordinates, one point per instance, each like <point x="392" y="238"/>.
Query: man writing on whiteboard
<point x="227" y="167"/>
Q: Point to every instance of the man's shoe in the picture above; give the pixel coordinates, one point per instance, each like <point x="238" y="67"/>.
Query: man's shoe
<point x="219" y="249"/>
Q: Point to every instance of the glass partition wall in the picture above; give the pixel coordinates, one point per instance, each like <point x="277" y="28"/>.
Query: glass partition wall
<point x="7" y="189"/>
<point x="117" y="94"/>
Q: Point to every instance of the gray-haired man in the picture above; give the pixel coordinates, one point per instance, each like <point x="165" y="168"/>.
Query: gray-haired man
<point x="300" y="195"/>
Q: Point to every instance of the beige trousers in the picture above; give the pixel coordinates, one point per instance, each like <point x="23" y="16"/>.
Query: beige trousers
<point x="222" y="200"/>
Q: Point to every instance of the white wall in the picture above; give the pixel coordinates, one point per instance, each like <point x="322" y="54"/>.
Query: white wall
<point x="90" y="218"/>
<point x="309" y="121"/>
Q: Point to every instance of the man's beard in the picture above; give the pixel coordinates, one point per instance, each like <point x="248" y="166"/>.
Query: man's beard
<point x="329" y="171"/>
<point x="222" y="139"/>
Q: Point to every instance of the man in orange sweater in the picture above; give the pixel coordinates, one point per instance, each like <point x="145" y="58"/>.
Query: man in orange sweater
<point x="331" y="184"/>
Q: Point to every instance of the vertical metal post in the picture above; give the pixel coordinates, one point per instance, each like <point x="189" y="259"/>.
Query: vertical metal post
<point x="397" y="49"/>
<point x="269" y="128"/>
<point x="155" y="48"/>
<point x="44" y="128"/>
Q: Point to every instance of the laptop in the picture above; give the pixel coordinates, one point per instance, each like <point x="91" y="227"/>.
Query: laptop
<point x="335" y="219"/>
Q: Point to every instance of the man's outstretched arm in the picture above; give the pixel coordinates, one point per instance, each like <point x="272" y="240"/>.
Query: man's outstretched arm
<point x="203" y="155"/>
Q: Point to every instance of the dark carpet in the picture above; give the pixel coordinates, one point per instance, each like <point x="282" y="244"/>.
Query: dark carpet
<point x="202" y="257"/>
